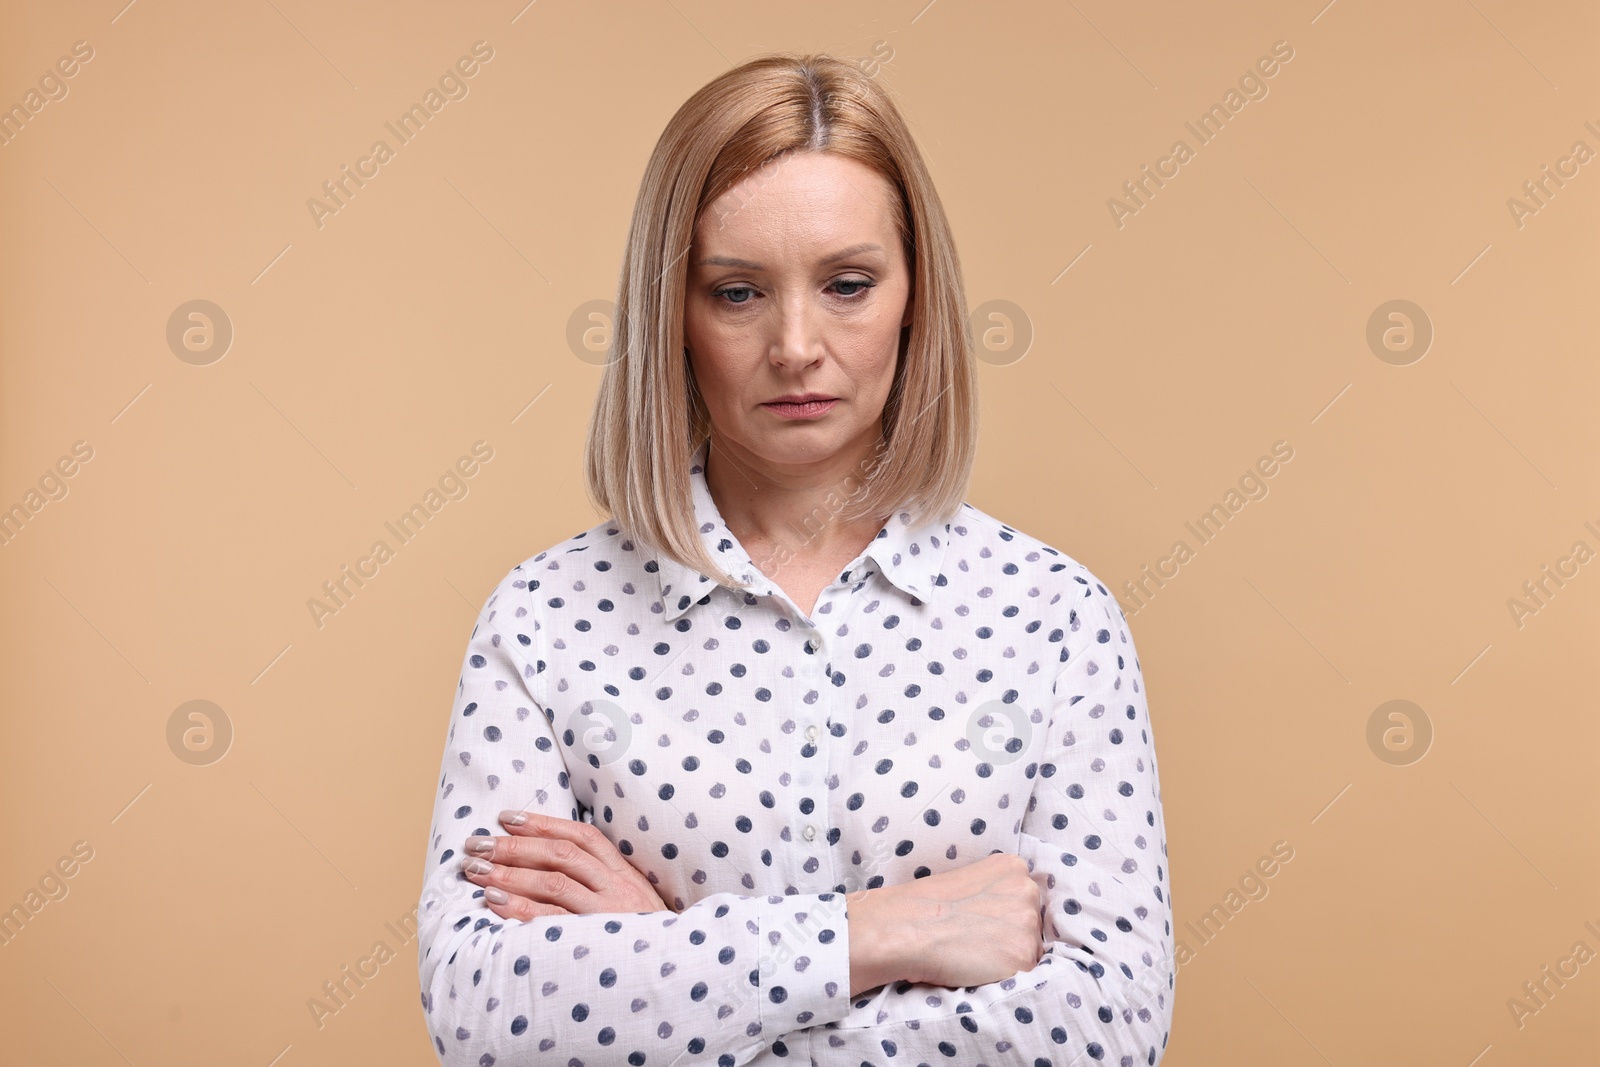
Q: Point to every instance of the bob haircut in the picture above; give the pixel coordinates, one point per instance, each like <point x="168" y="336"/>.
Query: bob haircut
<point x="648" y="416"/>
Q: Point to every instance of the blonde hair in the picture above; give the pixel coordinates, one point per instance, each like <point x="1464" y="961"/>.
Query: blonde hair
<point x="648" y="417"/>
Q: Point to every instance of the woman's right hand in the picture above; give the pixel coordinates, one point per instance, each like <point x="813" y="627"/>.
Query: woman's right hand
<point x="969" y="926"/>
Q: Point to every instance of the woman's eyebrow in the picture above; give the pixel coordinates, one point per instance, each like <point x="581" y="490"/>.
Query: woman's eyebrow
<point x="745" y="264"/>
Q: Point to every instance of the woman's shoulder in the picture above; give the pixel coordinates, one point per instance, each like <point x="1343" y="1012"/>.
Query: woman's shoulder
<point x="977" y="533"/>
<point x="602" y="553"/>
<point x="602" y="547"/>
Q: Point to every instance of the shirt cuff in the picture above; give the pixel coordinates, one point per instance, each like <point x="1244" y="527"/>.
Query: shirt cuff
<point x="804" y="961"/>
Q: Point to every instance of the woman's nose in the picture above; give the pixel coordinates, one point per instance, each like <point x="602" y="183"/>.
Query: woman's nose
<point x="798" y="341"/>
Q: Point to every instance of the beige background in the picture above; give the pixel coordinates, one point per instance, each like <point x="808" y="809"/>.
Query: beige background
<point x="368" y="354"/>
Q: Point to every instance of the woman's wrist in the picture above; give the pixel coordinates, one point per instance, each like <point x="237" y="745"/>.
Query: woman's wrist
<point x="878" y="952"/>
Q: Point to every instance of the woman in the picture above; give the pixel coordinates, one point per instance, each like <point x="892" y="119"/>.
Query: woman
<point x="798" y="757"/>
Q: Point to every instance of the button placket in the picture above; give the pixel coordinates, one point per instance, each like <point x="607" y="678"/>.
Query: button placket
<point x="838" y="597"/>
<point x="816" y="664"/>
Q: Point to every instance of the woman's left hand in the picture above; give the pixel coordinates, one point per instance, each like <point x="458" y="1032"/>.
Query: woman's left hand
<point x="553" y="866"/>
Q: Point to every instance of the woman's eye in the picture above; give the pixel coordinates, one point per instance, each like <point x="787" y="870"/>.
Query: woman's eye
<point x="853" y="287"/>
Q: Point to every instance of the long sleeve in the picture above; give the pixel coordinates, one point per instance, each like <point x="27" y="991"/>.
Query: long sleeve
<point x="715" y="983"/>
<point x="1095" y="839"/>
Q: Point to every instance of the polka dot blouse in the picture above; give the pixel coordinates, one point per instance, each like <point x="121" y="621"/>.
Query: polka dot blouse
<point x="960" y="689"/>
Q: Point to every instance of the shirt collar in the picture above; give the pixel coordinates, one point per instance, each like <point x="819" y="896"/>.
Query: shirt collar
<point x="908" y="555"/>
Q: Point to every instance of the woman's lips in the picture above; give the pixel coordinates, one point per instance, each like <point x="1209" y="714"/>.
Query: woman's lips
<point x="809" y="409"/>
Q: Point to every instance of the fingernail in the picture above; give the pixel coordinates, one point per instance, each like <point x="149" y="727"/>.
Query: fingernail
<point x="479" y="844"/>
<point x="513" y="818"/>
<point x="477" y="866"/>
<point x="496" y="895"/>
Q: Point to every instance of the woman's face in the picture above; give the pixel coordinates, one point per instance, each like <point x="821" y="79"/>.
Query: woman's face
<point x="797" y="284"/>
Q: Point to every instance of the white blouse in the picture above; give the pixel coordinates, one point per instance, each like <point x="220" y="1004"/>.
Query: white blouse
<point x="961" y="689"/>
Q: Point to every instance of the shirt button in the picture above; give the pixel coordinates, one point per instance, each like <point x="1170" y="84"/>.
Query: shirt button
<point x="811" y="644"/>
<point x="811" y="732"/>
<point x="810" y="831"/>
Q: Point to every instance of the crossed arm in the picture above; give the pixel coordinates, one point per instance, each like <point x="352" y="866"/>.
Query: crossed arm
<point x="731" y="974"/>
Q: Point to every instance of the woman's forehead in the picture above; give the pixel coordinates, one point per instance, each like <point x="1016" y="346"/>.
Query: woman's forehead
<point x="816" y="206"/>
